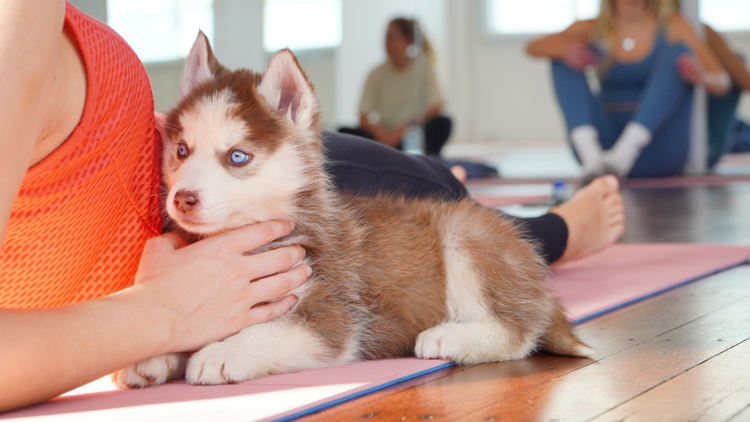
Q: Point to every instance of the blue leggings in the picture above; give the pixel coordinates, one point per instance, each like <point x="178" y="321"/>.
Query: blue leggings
<point x="665" y="105"/>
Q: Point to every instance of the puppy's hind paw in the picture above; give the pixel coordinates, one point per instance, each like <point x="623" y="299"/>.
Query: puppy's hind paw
<point x="151" y="372"/>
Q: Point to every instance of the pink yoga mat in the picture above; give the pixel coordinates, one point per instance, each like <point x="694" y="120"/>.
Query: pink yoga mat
<point x="501" y="201"/>
<point x="654" y="183"/>
<point x="618" y="276"/>
<point x="495" y="196"/>
<point x="626" y="273"/>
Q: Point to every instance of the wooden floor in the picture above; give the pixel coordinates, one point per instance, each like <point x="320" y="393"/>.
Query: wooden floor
<point x="681" y="356"/>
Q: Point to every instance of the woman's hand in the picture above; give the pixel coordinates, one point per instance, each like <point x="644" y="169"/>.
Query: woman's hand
<point x="690" y="69"/>
<point x="184" y="297"/>
<point x="693" y="72"/>
<point x="209" y="290"/>
<point x="578" y="56"/>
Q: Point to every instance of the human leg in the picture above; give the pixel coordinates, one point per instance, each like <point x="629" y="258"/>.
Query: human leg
<point x="662" y="110"/>
<point x="587" y="124"/>
<point x="721" y="111"/>
<point x="436" y="133"/>
<point x="362" y="167"/>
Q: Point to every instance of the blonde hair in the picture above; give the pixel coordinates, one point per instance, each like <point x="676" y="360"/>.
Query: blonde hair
<point x="605" y="24"/>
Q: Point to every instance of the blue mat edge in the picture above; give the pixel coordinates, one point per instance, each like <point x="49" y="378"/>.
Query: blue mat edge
<point x="358" y="394"/>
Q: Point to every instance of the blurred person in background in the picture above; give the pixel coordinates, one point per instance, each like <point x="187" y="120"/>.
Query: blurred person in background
<point x="403" y="91"/>
<point x="639" y="123"/>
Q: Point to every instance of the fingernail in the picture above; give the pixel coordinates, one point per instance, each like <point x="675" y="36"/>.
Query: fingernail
<point x="293" y="224"/>
<point x="294" y="303"/>
<point x="309" y="271"/>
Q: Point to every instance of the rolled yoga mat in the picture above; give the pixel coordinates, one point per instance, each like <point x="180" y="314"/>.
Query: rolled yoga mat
<point x="603" y="282"/>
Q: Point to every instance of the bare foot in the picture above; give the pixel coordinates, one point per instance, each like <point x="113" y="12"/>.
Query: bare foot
<point x="595" y="217"/>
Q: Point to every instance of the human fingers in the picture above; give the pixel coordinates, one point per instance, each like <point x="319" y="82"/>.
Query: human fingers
<point x="270" y="311"/>
<point x="689" y="69"/>
<point x="165" y="242"/>
<point x="251" y="237"/>
<point x="270" y="262"/>
<point x="579" y="57"/>
<point x="275" y="286"/>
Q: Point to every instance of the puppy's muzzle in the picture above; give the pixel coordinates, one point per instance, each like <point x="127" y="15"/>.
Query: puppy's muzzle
<point x="186" y="201"/>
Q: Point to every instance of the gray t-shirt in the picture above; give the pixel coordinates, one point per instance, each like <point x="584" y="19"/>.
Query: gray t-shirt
<point x="394" y="96"/>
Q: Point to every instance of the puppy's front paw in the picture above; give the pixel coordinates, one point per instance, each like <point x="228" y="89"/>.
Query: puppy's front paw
<point x="440" y="342"/>
<point x="151" y="372"/>
<point x="225" y="362"/>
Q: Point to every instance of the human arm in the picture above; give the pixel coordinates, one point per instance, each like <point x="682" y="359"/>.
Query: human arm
<point x="183" y="298"/>
<point x="570" y="45"/>
<point x="29" y="58"/>
<point x="728" y="58"/>
<point x="710" y="72"/>
<point x="381" y="133"/>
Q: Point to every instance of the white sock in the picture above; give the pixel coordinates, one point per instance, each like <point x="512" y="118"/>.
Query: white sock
<point x="585" y="140"/>
<point x="621" y="157"/>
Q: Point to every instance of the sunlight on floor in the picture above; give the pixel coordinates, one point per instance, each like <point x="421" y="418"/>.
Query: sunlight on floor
<point x="246" y="407"/>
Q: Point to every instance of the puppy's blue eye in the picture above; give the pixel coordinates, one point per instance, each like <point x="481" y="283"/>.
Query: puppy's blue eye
<point x="182" y="150"/>
<point x="239" y="157"/>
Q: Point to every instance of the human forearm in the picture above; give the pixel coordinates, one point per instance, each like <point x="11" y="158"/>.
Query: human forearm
<point x="728" y="58"/>
<point x="364" y="123"/>
<point x="431" y="113"/>
<point x="184" y="297"/>
<point x="552" y="46"/>
<point x="48" y="352"/>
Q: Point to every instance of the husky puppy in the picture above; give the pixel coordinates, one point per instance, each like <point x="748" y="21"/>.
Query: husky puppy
<point x="392" y="277"/>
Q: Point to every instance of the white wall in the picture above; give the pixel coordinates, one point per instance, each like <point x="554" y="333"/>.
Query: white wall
<point x="494" y="92"/>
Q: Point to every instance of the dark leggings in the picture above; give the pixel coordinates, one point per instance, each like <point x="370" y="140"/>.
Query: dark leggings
<point x="436" y="133"/>
<point x="363" y="167"/>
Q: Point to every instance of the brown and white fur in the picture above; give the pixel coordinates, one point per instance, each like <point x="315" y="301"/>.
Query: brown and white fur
<point x="392" y="277"/>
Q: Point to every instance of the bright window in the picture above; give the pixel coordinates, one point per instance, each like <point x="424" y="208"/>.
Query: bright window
<point x="161" y="30"/>
<point x="537" y="16"/>
<point x="301" y="24"/>
<point x="545" y="16"/>
<point x="726" y="15"/>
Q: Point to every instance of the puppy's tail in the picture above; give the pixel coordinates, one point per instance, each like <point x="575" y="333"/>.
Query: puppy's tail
<point x="560" y="340"/>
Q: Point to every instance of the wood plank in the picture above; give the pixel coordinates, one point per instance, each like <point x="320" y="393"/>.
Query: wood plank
<point x="325" y="415"/>
<point x="439" y="399"/>
<point x="715" y="390"/>
<point x="695" y="214"/>
<point x="627" y="327"/>
<point x="595" y="389"/>
<point x="458" y="394"/>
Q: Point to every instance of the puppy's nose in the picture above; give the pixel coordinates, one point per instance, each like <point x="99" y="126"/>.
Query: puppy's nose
<point x="186" y="200"/>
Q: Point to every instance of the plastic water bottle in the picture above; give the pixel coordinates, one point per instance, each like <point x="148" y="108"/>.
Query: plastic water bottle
<point x="413" y="140"/>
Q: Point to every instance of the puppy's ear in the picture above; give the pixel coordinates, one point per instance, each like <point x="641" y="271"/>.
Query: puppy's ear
<point x="286" y="88"/>
<point x="198" y="65"/>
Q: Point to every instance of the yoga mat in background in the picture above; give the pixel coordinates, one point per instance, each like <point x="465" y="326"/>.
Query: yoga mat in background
<point x="645" y="183"/>
<point x="495" y="196"/>
<point x="589" y="287"/>
<point x="627" y="273"/>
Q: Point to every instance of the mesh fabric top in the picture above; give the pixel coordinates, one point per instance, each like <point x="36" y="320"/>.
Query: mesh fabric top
<point x="84" y="213"/>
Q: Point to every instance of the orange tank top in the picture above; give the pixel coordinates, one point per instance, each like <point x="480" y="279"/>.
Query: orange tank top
<point x="83" y="214"/>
